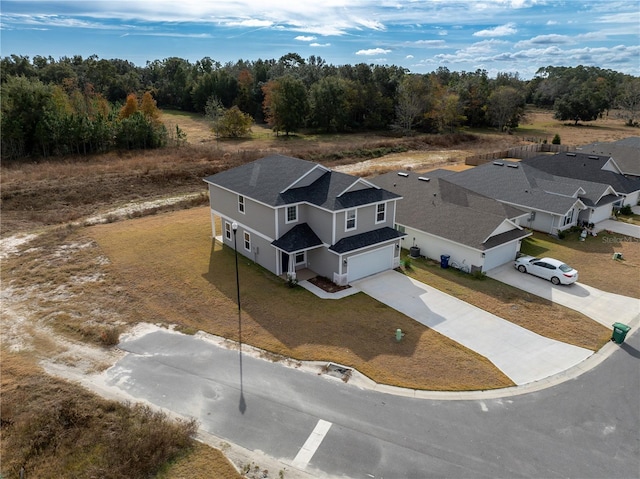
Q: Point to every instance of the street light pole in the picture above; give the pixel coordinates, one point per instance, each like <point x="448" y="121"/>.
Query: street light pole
<point x="234" y="227"/>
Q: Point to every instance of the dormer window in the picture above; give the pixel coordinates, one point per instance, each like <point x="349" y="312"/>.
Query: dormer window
<point x="350" y="220"/>
<point x="381" y="212"/>
<point x="292" y="214"/>
<point x="241" y="203"/>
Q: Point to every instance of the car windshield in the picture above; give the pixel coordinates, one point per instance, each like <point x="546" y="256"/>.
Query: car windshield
<point x="565" y="268"/>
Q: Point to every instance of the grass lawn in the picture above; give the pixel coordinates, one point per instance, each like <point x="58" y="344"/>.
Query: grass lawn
<point x="175" y="275"/>
<point x="593" y="259"/>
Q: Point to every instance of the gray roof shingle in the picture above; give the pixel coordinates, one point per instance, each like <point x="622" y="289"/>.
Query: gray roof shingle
<point x="266" y="179"/>
<point x="363" y="240"/>
<point x="299" y="238"/>
<point x="517" y="183"/>
<point x="449" y="211"/>
<point x="587" y="168"/>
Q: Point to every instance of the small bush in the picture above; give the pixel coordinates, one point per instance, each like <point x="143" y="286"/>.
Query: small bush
<point x="110" y="336"/>
<point x="556" y="140"/>
<point x="626" y="210"/>
<point x="562" y="235"/>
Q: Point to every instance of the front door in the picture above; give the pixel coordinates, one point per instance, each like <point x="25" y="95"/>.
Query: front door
<point x="285" y="262"/>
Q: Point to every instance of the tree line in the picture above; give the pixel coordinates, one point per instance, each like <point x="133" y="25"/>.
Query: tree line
<point x="73" y="105"/>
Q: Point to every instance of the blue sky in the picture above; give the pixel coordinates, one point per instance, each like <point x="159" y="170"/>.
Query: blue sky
<point x="496" y="35"/>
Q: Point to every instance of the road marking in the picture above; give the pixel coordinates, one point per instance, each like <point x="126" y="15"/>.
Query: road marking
<point x="483" y="406"/>
<point x="311" y="445"/>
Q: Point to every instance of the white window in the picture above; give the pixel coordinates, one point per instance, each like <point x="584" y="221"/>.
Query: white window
<point x="300" y="258"/>
<point x="381" y="212"/>
<point x="241" y="203"/>
<point x="568" y="219"/>
<point x="292" y="214"/>
<point x="350" y="220"/>
<point x="247" y="241"/>
<point x="227" y="230"/>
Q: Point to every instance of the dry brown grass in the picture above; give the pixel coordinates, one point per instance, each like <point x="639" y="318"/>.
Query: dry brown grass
<point x="52" y="429"/>
<point x="168" y="264"/>
<point x="202" y="462"/>
<point x="540" y="125"/>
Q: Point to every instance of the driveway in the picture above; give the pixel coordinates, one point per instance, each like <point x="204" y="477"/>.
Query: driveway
<point x="522" y="355"/>
<point x="605" y="308"/>
<point x="619" y="227"/>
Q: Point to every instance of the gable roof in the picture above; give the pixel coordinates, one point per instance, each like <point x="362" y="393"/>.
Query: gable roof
<point x="449" y="211"/>
<point x="584" y="167"/>
<point x="272" y="180"/>
<point x="516" y="183"/>
<point x="299" y="238"/>
<point x="625" y="153"/>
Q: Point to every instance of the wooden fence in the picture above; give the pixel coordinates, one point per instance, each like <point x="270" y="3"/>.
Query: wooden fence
<point x="520" y="152"/>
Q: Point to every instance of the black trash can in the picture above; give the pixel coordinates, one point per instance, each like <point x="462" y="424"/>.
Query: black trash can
<point x="444" y="261"/>
<point x="619" y="332"/>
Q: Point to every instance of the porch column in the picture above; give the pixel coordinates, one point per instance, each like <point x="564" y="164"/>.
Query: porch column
<point x="292" y="266"/>
<point x="213" y="225"/>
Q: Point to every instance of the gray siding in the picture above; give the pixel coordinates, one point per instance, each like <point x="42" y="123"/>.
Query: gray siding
<point x="365" y="220"/>
<point x="323" y="262"/>
<point x="261" y="250"/>
<point x="257" y="216"/>
<point x="320" y="222"/>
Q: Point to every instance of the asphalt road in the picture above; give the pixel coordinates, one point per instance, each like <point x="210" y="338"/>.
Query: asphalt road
<point x="587" y="427"/>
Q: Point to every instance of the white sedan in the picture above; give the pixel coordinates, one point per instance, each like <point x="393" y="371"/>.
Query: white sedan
<point x="548" y="268"/>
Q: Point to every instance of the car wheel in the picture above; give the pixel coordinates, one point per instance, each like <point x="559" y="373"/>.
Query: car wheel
<point x="555" y="280"/>
<point x="522" y="269"/>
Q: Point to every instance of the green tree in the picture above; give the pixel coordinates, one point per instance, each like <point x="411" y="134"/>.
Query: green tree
<point x="233" y="123"/>
<point x="285" y="104"/>
<point x="505" y="107"/>
<point x="329" y="104"/>
<point x="628" y="99"/>
<point x="584" y="103"/>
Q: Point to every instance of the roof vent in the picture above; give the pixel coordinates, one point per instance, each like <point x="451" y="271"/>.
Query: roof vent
<point x="401" y="173"/>
<point x="498" y="163"/>
<point x="512" y="165"/>
<point x="423" y="178"/>
<point x="571" y="154"/>
<point x="594" y="158"/>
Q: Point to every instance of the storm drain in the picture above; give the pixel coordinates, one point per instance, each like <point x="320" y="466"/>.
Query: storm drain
<point x="338" y="371"/>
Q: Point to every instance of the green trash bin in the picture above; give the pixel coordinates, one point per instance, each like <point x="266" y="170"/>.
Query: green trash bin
<point x="619" y="332"/>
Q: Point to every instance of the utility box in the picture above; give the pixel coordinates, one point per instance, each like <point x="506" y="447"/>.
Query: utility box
<point x="619" y="332"/>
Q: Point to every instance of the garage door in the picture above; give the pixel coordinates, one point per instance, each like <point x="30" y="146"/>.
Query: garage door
<point x="373" y="262"/>
<point x="499" y="256"/>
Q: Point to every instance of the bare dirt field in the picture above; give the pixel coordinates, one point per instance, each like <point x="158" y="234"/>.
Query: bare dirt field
<point x="64" y="301"/>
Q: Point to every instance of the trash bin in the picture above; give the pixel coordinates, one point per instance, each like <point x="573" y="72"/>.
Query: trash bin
<point x="444" y="261"/>
<point x="619" y="332"/>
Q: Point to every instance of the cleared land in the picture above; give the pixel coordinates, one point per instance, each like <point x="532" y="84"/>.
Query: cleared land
<point x="68" y="291"/>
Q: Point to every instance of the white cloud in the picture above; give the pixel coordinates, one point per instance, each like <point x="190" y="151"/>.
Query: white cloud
<point x="304" y="38"/>
<point x="499" y="31"/>
<point x="409" y="57"/>
<point x="252" y="22"/>
<point x="552" y="22"/>
<point x="373" y="51"/>
<point x="552" y="39"/>
<point x="431" y="43"/>
<point x="321" y="45"/>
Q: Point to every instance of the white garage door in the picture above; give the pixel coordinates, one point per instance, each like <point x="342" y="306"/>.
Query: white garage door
<point x="370" y="263"/>
<point x="499" y="256"/>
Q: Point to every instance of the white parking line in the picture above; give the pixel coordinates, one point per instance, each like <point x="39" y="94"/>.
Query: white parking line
<point x="311" y="445"/>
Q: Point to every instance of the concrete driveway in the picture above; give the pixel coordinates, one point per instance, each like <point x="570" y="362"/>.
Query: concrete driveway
<point x="619" y="227"/>
<point x="522" y="355"/>
<point x="606" y="308"/>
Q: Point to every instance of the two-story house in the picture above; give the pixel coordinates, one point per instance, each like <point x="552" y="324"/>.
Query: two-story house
<point x="292" y="214"/>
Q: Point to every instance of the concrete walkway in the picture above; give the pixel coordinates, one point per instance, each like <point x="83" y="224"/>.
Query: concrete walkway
<point x="601" y="306"/>
<point x="522" y="355"/>
<point x="619" y="227"/>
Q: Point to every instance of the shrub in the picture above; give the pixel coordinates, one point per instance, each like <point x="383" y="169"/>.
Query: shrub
<point x="626" y="210"/>
<point x="556" y="140"/>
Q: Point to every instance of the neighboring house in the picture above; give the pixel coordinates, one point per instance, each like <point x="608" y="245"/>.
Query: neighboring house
<point x="442" y="218"/>
<point x="553" y="203"/>
<point x="624" y="155"/>
<point x="294" y="214"/>
<point x="589" y="170"/>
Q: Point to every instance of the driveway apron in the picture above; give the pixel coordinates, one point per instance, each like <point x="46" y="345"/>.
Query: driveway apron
<point x="619" y="227"/>
<point x="522" y="355"/>
<point x="605" y="308"/>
